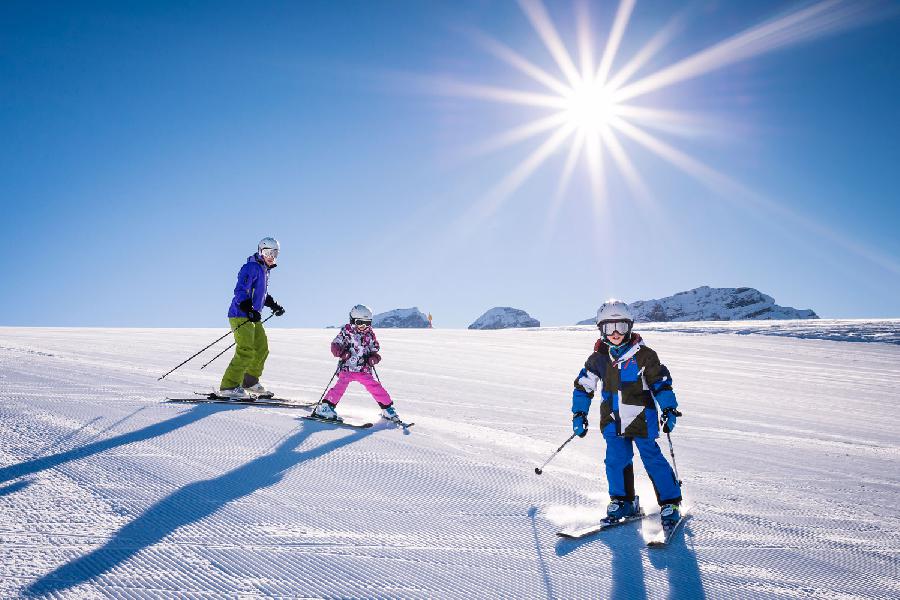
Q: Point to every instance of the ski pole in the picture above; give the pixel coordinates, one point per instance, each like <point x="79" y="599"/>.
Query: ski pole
<point x="221" y="338"/>
<point x="672" y="450"/>
<point x="325" y="391"/>
<point x="540" y="469"/>
<point x="231" y="346"/>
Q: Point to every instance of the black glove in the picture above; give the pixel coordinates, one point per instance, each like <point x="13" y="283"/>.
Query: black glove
<point x="252" y="315"/>
<point x="580" y="424"/>
<point x="668" y="418"/>
<point x="276" y="308"/>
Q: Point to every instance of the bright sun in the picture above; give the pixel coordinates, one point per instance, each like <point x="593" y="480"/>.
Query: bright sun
<point x="594" y="102"/>
<point x="590" y="108"/>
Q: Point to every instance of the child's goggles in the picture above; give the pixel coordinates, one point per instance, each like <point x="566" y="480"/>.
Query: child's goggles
<point x="361" y="323"/>
<point x="611" y="327"/>
<point x="269" y="253"/>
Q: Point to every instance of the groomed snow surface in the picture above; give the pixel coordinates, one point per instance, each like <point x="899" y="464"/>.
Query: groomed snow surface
<point x="789" y="450"/>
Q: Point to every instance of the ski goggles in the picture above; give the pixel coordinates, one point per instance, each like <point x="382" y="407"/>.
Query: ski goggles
<point x="361" y="323"/>
<point x="269" y="253"/>
<point x="611" y="327"/>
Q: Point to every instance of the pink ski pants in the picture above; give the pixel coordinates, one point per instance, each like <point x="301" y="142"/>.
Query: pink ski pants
<point x="370" y="383"/>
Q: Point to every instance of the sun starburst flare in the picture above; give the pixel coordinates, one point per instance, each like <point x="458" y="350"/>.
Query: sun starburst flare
<point x="589" y="103"/>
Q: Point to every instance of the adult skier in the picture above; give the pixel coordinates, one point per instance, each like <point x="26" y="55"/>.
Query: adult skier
<point x="241" y="378"/>
<point x="357" y="349"/>
<point x="631" y="382"/>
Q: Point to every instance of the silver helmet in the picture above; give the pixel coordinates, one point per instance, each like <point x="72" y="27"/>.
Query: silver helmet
<point x="361" y="312"/>
<point x="614" y="315"/>
<point x="269" y="247"/>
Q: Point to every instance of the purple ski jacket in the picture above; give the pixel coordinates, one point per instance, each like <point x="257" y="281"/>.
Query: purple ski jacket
<point x="253" y="283"/>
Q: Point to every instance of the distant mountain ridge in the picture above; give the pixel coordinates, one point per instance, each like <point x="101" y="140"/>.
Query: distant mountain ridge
<point x="713" y="304"/>
<point x="504" y="317"/>
<point x="401" y="318"/>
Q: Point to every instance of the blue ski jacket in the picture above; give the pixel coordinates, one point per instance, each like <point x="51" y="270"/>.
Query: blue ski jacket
<point x="631" y="382"/>
<point x="253" y="283"/>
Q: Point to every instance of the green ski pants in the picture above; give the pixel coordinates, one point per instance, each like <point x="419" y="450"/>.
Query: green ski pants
<point x="249" y="355"/>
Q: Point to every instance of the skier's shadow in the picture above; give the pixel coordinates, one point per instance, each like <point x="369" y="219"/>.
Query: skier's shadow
<point x="679" y="561"/>
<point x="187" y="505"/>
<point x="627" y="547"/>
<point x="36" y="465"/>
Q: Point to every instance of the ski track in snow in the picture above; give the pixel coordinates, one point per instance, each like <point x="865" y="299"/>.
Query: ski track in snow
<point x="788" y="448"/>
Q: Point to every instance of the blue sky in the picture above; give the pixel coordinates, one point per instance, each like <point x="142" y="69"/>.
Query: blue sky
<point x="146" y="147"/>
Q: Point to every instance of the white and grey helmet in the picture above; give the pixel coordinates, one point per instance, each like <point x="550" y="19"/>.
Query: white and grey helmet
<point x="614" y="315"/>
<point x="269" y="247"/>
<point x="361" y="314"/>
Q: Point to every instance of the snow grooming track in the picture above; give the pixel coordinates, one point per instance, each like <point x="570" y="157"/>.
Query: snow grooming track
<point x="107" y="492"/>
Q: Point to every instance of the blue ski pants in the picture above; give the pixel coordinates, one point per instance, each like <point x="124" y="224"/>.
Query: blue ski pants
<point x="620" y="470"/>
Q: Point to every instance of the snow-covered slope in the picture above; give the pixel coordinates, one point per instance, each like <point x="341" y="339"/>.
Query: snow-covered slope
<point x="401" y="318"/>
<point x="504" y="317"/>
<point x="788" y="450"/>
<point x="713" y="304"/>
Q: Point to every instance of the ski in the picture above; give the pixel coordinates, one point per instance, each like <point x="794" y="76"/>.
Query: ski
<point x="606" y="523"/>
<point x="252" y="399"/>
<point x="338" y="423"/>
<point x="278" y="402"/>
<point x="662" y="540"/>
<point x="402" y="424"/>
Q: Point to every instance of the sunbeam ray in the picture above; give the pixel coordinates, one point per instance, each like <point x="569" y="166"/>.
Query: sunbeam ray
<point x="515" y="60"/>
<point x="623" y="14"/>
<point x="646" y="53"/>
<point x="563" y="184"/>
<point x="518" y="134"/>
<point x="798" y="26"/>
<point x="625" y="166"/>
<point x="540" y="20"/>
<point x="585" y="41"/>
<point x="498" y="94"/>
<point x="524" y="170"/>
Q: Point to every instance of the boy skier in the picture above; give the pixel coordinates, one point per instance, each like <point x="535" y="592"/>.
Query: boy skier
<point x="357" y="348"/>
<point x="630" y="378"/>
<point x="241" y="378"/>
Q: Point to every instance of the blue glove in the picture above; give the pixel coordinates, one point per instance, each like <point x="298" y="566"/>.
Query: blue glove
<point x="580" y="424"/>
<point x="668" y="419"/>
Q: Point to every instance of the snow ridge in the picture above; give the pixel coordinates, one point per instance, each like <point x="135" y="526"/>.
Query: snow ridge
<point x="401" y="318"/>
<point x="504" y="317"/>
<point x="713" y="304"/>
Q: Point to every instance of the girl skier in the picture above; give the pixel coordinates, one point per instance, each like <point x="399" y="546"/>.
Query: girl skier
<point x="357" y="348"/>
<point x="631" y="382"/>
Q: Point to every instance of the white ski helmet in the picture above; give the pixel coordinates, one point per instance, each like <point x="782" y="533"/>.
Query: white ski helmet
<point x="360" y="312"/>
<point x="615" y="311"/>
<point x="269" y="247"/>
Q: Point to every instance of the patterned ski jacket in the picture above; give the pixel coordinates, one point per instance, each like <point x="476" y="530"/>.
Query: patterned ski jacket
<point x="360" y="345"/>
<point x="629" y="379"/>
<point x="253" y="283"/>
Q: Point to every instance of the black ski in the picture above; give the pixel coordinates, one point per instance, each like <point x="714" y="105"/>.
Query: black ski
<point x="337" y="423"/>
<point x="278" y="402"/>
<point x="665" y="536"/>
<point x="605" y="523"/>
<point x="402" y="424"/>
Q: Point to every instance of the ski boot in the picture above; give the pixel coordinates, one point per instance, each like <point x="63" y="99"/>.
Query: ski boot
<point x="236" y="393"/>
<point x="258" y="391"/>
<point x="255" y="388"/>
<point x="669" y="515"/>
<point x="388" y="412"/>
<point x="620" y="508"/>
<point x="326" y="412"/>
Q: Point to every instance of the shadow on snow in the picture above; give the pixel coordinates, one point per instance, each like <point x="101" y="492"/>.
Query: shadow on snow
<point x="187" y="505"/>
<point x="36" y="465"/>
<point x="627" y="547"/>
